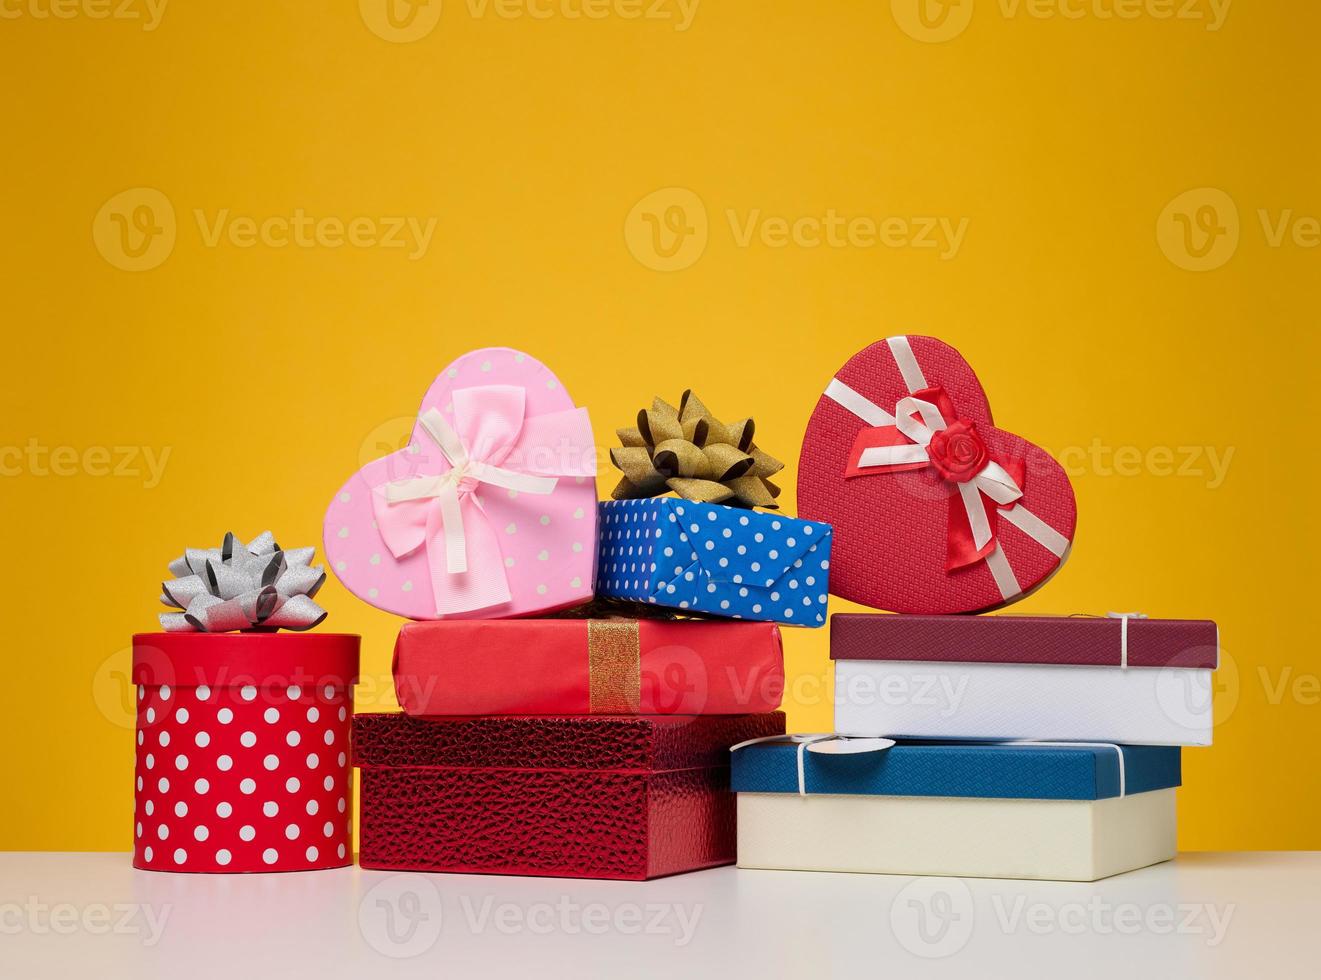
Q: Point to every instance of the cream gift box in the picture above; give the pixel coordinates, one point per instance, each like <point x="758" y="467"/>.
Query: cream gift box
<point x="1067" y="812"/>
<point x="1120" y="679"/>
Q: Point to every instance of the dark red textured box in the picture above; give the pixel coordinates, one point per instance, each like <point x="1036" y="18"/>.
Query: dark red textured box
<point x="1100" y="641"/>
<point x="625" y="797"/>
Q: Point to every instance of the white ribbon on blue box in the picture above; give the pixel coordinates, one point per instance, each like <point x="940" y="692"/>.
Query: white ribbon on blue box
<point x="712" y="558"/>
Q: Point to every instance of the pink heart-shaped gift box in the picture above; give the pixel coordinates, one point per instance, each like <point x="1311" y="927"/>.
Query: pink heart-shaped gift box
<point x="892" y="525"/>
<point x="511" y="414"/>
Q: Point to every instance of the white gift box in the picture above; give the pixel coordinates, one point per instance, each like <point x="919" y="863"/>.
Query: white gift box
<point x="1126" y="680"/>
<point x="1038" y="810"/>
<point x="1059" y="840"/>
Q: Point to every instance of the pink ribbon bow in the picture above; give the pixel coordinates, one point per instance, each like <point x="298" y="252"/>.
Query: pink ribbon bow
<point x="492" y="443"/>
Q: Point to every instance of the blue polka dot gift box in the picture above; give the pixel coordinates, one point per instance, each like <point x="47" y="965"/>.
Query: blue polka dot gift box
<point x="715" y="559"/>
<point x="707" y="550"/>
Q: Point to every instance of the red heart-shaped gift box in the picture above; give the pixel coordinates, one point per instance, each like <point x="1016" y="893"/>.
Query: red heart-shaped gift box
<point x="934" y="509"/>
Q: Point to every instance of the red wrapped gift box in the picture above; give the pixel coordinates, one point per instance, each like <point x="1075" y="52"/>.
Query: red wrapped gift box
<point x="605" y="797"/>
<point x="588" y="666"/>
<point x="243" y="751"/>
<point x="935" y="510"/>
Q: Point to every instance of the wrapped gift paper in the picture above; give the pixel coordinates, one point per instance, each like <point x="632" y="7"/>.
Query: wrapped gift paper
<point x="588" y="666"/>
<point x="705" y="549"/>
<point x="1060" y="811"/>
<point x="715" y="559"/>
<point x="489" y="512"/>
<point x="935" y="510"/>
<point x="576" y="797"/>
<point x="1121" y="678"/>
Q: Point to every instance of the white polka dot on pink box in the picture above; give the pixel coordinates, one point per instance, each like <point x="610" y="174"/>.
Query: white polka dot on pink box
<point x="243" y="751"/>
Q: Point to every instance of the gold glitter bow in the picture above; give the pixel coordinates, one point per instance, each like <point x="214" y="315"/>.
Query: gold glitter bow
<point x="690" y="451"/>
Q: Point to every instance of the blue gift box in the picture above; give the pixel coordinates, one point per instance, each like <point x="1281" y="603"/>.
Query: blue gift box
<point x="979" y="769"/>
<point x="715" y="559"/>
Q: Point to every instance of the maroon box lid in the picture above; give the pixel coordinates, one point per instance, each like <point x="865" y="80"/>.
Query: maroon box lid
<point x="1065" y="640"/>
<point x="603" y="742"/>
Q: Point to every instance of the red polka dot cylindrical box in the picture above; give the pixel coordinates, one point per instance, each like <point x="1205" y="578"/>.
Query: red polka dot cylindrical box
<point x="243" y="751"/>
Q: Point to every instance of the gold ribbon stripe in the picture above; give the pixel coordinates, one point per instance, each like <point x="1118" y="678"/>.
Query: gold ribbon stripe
<point x="614" y="666"/>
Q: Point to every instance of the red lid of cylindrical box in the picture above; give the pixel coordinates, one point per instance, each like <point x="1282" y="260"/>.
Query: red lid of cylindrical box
<point x="239" y="659"/>
<point x="1100" y="641"/>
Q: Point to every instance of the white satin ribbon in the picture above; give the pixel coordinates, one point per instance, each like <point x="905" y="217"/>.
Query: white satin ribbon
<point x="1036" y="529"/>
<point x="1123" y="633"/>
<point x="871" y="413"/>
<point x="445" y="488"/>
<point x="902" y="352"/>
<point x="821" y="743"/>
<point x="919" y="420"/>
<point x="1003" y="573"/>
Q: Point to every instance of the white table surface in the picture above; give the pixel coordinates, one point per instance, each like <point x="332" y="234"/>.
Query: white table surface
<point x="1204" y="915"/>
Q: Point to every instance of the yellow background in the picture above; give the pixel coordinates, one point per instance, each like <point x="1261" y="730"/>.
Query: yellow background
<point x="269" y="373"/>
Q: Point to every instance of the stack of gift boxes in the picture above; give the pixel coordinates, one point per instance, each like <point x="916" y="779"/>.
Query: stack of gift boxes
<point x="543" y="733"/>
<point x="999" y="746"/>
<point x="574" y="675"/>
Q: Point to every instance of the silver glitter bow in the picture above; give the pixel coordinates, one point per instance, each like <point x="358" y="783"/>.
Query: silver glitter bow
<point x="257" y="586"/>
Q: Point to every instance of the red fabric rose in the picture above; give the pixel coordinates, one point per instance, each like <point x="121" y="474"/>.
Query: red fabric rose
<point x="957" y="452"/>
